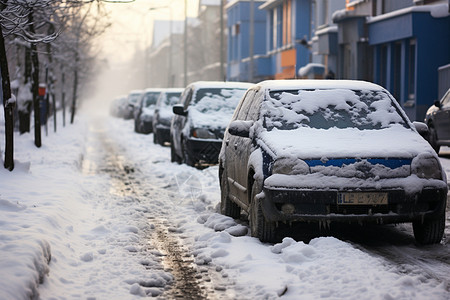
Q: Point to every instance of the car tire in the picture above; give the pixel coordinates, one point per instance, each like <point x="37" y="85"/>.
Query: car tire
<point x="227" y="207"/>
<point x="429" y="231"/>
<point x="187" y="159"/>
<point x="136" y="127"/>
<point x="433" y="139"/>
<point x="155" y="138"/>
<point x="259" y="227"/>
<point x="173" y="155"/>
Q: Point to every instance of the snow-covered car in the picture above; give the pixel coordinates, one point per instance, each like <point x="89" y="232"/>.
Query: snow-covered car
<point x="163" y="114"/>
<point x="132" y="100"/>
<point x="145" y="109"/>
<point x="200" y="119"/>
<point x="438" y="120"/>
<point x="329" y="151"/>
<point x="117" y="107"/>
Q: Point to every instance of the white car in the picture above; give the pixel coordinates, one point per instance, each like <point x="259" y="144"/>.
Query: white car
<point x="329" y="151"/>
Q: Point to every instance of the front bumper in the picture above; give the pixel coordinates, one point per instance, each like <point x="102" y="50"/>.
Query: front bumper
<point x="204" y="151"/>
<point x="163" y="133"/>
<point x="322" y="206"/>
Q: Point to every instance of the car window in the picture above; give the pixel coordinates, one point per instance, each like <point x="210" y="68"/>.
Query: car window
<point x="150" y="98"/>
<point x="255" y="106"/>
<point x="242" y="114"/>
<point x="446" y="100"/>
<point x="222" y="100"/>
<point x="327" y="108"/>
<point x="171" y="98"/>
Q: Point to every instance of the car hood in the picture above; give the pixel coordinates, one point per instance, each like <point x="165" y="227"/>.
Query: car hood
<point x="320" y="144"/>
<point x="211" y="119"/>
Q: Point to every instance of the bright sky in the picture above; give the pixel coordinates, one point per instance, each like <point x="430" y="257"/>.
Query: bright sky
<point x="133" y="23"/>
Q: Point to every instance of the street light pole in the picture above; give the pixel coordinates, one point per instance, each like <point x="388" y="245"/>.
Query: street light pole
<point x="222" y="58"/>
<point x="185" y="42"/>
<point x="252" y="40"/>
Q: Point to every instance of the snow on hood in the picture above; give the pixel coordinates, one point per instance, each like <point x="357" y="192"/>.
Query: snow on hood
<point x="310" y="143"/>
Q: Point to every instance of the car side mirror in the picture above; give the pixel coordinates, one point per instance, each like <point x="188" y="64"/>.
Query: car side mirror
<point x="178" y="109"/>
<point x="437" y="104"/>
<point x="422" y="129"/>
<point x="240" y="128"/>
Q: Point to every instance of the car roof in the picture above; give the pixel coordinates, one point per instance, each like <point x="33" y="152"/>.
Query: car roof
<point x="275" y="85"/>
<point x="173" y="90"/>
<point x="220" y="84"/>
<point x="153" y="90"/>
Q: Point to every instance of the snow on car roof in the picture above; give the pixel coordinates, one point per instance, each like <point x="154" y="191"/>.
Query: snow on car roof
<point x="221" y="84"/>
<point x="318" y="84"/>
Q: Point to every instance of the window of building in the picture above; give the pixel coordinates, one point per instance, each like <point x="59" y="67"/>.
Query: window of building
<point x="397" y="65"/>
<point x="412" y="69"/>
<point x="383" y="65"/>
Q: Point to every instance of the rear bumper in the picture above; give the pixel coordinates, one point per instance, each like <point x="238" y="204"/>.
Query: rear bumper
<point x="204" y="151"/>
<point x="321" y="206"/>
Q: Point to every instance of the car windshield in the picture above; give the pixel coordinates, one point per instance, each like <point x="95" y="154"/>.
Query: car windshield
<point x="133" y="98"/>
<point x="150" y="98"/>
<point x="223" y="100"/>
<point x="171" y="98"/>
<point x="328" y="108"/>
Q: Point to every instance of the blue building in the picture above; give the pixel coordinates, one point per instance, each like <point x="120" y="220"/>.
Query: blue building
<point x="241" y="65"/>
<point x="400" y="45"/>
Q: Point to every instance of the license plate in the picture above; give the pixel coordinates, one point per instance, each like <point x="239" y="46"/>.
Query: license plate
<point x="362" y="198"/>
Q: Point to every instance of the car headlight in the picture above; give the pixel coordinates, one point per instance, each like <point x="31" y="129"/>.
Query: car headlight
<point x="425" y="165"/>
<point x="203" y="133"/>
<point x="290" y="166"/>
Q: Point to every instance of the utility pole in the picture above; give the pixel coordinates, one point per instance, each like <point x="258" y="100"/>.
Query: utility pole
<point x="185" y="42"/>
<point x="222" y="44"/>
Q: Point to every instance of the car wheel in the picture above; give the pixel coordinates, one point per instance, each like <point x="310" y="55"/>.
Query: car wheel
<point x="136" y="127"/>
<point x="155" y="138"/>
<point x="227" y="207"/>
<point x="173" y="156"/>
<point x="433" y="139"/>
<point x="260" y="228"/>
<point x="429" y="231"/>
<point x="187" y="159"/>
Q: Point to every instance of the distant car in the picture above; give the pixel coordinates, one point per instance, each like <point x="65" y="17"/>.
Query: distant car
<point x="144" y="110"/>
<point x="163" y="114"/>
<point x="329" y="151"/>
<point x="118" y="106"/>
<point x="132" y="100"/>
<point x="200" y="119"/>
<point x="438" y="120"/>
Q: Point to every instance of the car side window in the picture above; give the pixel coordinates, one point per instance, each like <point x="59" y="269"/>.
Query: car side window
<point x="255" y="106"/>
<point x="446" y="100"/>
<point x="243" y="111"/>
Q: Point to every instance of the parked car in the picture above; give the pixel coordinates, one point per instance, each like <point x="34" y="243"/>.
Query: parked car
<point x="118" y="106"/>
<point x="329" y="151"/>
<point x="200" y="119"/>
<point x="163" y="114"/>
<point x="438" y="120"/>
<point x="144" y="110"/>
<point x="132" y="100"/>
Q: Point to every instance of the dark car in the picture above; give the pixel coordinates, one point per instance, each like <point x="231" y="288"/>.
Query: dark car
<point x="438" y="120"/>
<point x="163" y="114"/>
<point x="325" y="151"/>
<point x="132" y="100"/>
<point x="200" y="119"/>
<point x="144" y="110"/>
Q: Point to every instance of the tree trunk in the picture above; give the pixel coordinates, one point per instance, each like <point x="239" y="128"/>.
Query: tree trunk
<point x="75" y="88"/>
<point x="25" y="112"/>
<point x="8" y="106"/>
<point x="35" y="86"/>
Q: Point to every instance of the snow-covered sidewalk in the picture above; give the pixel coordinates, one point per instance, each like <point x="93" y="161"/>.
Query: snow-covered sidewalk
<point x="52" y="206"/>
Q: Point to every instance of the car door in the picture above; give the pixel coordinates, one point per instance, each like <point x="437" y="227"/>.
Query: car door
<point x="442" y="119"/>
<point x="245" y="147"/>
<point x="233" y="149"/>
<point x="178" y="121"/>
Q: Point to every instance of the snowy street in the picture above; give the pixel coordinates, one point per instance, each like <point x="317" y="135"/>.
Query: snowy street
<point x="100" y="212"/>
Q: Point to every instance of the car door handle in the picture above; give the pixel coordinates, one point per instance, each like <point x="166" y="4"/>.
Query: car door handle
<point x="227" y="142"/>
<point x="235" y="146"/>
